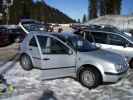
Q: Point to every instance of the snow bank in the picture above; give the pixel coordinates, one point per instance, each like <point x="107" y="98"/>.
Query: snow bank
<point x="123" y="23"/>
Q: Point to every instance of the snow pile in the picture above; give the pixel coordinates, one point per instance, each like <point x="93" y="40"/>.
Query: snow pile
<point x="123" y="23"/>
<point x="28" y="86"/>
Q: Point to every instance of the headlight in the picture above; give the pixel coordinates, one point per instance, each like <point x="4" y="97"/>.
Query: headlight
<point x="120" y="68"/>
<point x="127" y="59"/>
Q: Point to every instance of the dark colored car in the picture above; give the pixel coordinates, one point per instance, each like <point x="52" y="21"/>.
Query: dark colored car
<point x="4" y="37"/>
<point x="16" y="34"/>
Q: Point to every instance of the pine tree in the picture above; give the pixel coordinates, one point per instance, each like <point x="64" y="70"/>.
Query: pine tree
<point x="104" y="7"/>
<point x="38" y="10"/>
<point x="110" y="7"/>
<point x="20" y="9"/>
<point x="118" y="6"/>
<point x="78" y="21"/>
<point x="92" y="9"/>
<point x="84" y="18"/>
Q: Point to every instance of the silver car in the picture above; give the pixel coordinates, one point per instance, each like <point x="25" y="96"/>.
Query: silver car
<point x="63" y="55"/>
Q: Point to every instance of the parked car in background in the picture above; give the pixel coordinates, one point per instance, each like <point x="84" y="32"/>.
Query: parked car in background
<point x="4" y="37"/>
<point x="16" y="34"/>
<point x="66" y="54"/>
<point x="32" y="25"/>
<point x="111" y="39"/>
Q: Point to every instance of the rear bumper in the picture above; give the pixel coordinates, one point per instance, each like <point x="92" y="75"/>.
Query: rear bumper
<point x="113" y="77"/>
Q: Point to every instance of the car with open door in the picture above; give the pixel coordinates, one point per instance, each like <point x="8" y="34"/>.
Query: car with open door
<point x="66" y="54"/>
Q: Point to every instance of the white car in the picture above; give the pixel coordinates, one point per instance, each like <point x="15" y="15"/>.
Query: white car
<point x="62" y="55"/>
<point x="111" y="39"/>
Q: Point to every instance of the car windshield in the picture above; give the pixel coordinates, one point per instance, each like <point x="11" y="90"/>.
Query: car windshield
<point x="78" y="43"/>
<point x="34" y="27"/>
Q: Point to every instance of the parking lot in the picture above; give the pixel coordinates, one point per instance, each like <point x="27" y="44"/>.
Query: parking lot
<point x="29" y="85"/>
<point x="54" y="50"/>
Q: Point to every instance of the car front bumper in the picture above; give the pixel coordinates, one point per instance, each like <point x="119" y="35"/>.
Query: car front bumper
<point x="113" y="77"/>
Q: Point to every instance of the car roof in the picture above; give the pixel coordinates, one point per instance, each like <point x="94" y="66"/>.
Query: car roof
<point x="103" y="28"/>
<point x="98" y="28"/>
<point x="110" y="32"/>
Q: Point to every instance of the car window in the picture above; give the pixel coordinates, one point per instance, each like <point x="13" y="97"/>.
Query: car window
<point x="100" y="37"/>
<point x="16" y="31"/>
<point x="33" y="42"/>
<point x="3" y="30"/>
<point x="90" y="37"/>
<point x="42" y="41"/>
<point x="116" y="40"/>
<point x="130" y="44"/>
<point x="56" y="47"/>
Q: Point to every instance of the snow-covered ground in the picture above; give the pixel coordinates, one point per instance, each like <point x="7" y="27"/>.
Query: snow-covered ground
<point x="30" y="86"/>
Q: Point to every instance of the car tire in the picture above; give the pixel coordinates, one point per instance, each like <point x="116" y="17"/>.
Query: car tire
<point x="131" y="64"/>
<point x="90" y="77"/>
<point x="26" y="63"/>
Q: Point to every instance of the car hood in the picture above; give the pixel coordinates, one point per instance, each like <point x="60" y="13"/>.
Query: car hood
<point x="103" y="55"/>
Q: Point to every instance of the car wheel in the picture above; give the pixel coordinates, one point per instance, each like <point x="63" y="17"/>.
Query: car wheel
<point x="25" y="62"/>
<point x="90" y="77"/>
<point x="131" y="64"/>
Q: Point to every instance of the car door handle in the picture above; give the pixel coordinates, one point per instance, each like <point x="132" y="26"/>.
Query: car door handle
<point x="46" y="59"/>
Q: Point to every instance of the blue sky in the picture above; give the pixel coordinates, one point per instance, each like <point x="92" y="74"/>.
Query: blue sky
<point x="76" y="8"/>
<point x="73" y="8"/>
<point x="127" y="6"/>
